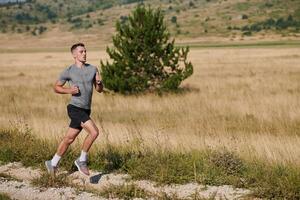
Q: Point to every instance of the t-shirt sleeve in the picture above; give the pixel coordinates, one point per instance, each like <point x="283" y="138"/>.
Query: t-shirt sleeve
<point x="95" y="72"/>
<point x="64" y="76"/>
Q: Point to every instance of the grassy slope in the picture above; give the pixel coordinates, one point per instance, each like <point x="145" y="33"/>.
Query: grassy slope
<point x="198" y="18"/>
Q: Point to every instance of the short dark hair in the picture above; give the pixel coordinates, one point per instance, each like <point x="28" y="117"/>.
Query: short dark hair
<point x="74" y="46"/>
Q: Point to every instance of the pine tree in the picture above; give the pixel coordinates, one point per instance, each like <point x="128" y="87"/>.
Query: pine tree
<point x="143" y="57"/>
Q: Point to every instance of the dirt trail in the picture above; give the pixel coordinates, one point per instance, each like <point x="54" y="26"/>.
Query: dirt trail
<point x="19" y="187"/>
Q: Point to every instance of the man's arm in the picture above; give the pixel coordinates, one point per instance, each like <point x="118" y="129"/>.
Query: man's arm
<point x="58" y="88"/>
<point x="98" y="83"/>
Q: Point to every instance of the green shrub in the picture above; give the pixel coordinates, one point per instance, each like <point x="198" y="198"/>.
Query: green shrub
<point x="143" y="57"/>
<point x="174" y="19"/>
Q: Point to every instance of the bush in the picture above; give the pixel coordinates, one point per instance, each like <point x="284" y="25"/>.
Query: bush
<point x="279" y="24"/>
<point x="247" y="33"/>
<point x="228" y="162"/>
<point x="26" y="18"/>
<point x="191" y="4"/>
<point x="174" y="19"/>
<point x="143" y="57"/>
<point x="244" y="16"/>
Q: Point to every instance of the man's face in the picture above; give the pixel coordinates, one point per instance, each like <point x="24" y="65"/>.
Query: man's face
<point x="79" y="54"/>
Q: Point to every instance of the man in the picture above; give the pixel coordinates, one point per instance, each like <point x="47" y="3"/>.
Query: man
<point x="81" y="77"/>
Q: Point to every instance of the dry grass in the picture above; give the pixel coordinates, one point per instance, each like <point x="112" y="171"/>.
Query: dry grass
<point x="244" y="100"/>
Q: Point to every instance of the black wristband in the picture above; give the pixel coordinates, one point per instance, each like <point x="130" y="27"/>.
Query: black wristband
<point x="99" y="83"/>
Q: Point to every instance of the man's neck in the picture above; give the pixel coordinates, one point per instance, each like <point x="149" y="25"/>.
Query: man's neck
<point x="79" y="64"/>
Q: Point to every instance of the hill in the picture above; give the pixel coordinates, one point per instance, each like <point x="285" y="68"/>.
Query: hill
<point x="187" y="20"/>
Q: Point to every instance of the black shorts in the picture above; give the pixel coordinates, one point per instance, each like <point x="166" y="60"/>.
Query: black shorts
<point x="78" y="115"/>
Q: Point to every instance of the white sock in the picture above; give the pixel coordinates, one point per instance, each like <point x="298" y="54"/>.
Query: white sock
<point x="56" y="158"/>
<point x="83" y="156"/>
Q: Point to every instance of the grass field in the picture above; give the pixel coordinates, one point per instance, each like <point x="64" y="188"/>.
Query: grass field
<point x="244" y="100"/>
<point x="239" y="100"/>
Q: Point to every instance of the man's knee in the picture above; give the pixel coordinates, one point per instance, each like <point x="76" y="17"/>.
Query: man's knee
<point x="68" y="140"/>
<point x="95" y="133"/>
<point x="91" y="128"/>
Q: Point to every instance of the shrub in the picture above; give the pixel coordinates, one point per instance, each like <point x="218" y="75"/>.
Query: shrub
<point x="247" y="33"/>
<point x="174" y="19"/>
<point x="244" y="16"/>
<point x="144" y="58"/>
<point x="228" y="162"/>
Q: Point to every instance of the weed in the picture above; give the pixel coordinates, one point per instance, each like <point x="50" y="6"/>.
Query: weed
<point x="24" y="147"/>
<point x="228" y="162"/>
<point x="4" y="197"/>
<point x="276" y="182"/>
<point x="46" y="180"/>
<point x="162" y="167"/>
<point x="127" y="191"/>
<point x="112" y="158"/>
<point x="7" y="177"/>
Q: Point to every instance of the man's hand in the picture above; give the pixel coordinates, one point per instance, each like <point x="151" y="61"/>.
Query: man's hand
<point x="74" y="89"/>
<point x="98" y="83"/>
<point x="58" y="88"/>
<point x="99" y="86"/>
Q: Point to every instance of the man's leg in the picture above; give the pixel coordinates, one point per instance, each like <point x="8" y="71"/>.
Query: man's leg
<point x="69" y="138"/>
<point x="62" y="148"/>
<point x="93" y="133"/>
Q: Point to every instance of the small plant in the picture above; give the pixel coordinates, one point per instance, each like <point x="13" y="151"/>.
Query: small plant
<point x="112" y="158"/>
<point x="228" y="162"/>
<point x="192" y="4"/>
<point x="47" y="180"/>
<point x="7" y="177"/>
<point x="126" y="191"/>
<point x="244" y="16"/>
<point x="4" y="196"/>
<point x="174" y="19"/>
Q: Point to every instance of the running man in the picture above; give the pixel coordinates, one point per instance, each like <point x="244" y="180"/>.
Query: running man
<point x="81" y="77"/>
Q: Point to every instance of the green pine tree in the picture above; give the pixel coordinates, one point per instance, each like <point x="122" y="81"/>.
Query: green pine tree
<point x="143" y="57"/>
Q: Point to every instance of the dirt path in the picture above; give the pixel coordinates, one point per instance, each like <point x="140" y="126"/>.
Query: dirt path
<point x="19" y="186"/>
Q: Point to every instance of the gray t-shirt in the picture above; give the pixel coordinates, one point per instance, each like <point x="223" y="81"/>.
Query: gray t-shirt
<point x="84" y="79"/>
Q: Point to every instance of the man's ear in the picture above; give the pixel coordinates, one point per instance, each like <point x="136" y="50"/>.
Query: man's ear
<point x="74" y="53"/>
